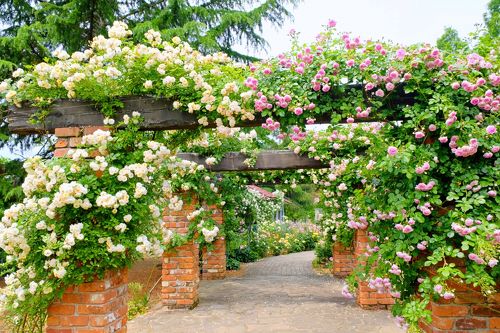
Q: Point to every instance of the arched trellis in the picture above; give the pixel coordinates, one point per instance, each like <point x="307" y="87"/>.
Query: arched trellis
<point x="446" y="88"/>
<point x="180" y="268"/>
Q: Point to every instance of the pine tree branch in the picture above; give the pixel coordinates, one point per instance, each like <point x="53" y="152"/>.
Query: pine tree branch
<point x="138" y="10"/>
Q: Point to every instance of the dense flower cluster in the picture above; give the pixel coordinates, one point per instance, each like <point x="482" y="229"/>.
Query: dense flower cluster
<point x="111" y="66"/>
<point x="84" y="215"/>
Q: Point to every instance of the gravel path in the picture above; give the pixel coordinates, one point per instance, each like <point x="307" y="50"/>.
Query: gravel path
<point x="277" y="294"/>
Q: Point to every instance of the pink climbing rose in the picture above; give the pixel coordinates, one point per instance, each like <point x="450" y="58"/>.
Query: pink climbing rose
<point x="400" y="54"/>
<point x="491" y="129"/>
<point x="419" y="135"/>
<point x="298" y="111"/>
<point x="443" y="139"/>
<point x="392" y="150"/>
<point x="448" y="295"/>
<point x="379" y="93"/>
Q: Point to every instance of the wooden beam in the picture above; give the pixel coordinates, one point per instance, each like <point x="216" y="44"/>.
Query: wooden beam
<point x="266" y="160"/>
<point x="158" y="114"/>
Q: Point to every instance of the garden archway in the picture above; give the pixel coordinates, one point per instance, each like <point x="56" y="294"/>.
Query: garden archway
<point x="412" y="87"/>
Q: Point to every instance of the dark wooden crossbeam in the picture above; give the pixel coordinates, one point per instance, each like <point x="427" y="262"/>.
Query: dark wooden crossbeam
<point x="266" y="160"/>
<point x="158" y="114"/>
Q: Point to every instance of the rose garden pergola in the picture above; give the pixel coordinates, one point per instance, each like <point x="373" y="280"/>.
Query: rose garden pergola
<point x="100" y="306"/>
<point x="417" y="186"/>
<point x="105" y="299"/>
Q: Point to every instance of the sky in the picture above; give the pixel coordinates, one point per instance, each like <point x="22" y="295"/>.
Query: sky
<point x="401" y="21"/>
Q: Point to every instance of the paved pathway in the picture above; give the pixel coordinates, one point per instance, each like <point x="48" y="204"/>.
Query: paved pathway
<point x="279" y="295"/>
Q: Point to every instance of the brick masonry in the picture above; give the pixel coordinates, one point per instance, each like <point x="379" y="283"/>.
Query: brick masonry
<point x="343" y="259"/>
<point x="70" y="137"/>
<point x="368" y="298"/>
<point x="98" y="307"/>
<point x="469" y="311"/>
<point x="214" y="261"/>
<point x="180" y="268"/>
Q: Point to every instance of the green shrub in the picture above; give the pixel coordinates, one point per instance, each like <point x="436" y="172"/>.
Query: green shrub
<point x="139" y="300"/>
<point x="323" y="250"/>
<point x="232" y="264"/>
<point x="246" y="254"/>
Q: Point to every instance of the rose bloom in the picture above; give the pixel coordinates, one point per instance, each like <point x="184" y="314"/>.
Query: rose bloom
<point x="419" y="135"/>
<point x="392" y="150"/>
<point x="491" y="129"/>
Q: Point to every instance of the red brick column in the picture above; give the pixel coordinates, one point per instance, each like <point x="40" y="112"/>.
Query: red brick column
<point x="343" y="259"/>
<point x="180" y="270"/>
<point x="368" y="298"/>
<point x="214" y="261"/>
<point x="99" y="307"/>
<point x="468" y="311"/>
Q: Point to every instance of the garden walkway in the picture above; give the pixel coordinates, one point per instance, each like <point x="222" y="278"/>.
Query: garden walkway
<point x="277" y="294"/>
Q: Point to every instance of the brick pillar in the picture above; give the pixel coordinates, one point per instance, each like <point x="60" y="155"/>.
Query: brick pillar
<point x="468" y="311"/>
<point x="343" y="259"/>
<point x="368" y="298"/>
<point x="99" y="307"/>
<point x="180" y="270"/>
<point x="214" y="261"/>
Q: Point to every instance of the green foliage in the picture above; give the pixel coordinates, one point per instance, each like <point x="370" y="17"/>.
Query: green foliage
<point x="248" y="253"/>
<point x="138" y="300"/>
<point x="492" y="19"/>
<point x="300" y="202"/>
<point x="450" y="41"/>
<point x="232" y="264"/>
<point x="11" y="177"/>
<point x="487" y="36"/>
<point x="323" y="250"/>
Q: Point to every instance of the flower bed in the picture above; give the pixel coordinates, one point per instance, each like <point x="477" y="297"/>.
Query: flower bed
<point x="286" y="237"/>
